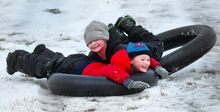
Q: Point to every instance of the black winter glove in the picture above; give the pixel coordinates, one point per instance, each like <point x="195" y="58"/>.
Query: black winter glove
<point x="138" y="33"/>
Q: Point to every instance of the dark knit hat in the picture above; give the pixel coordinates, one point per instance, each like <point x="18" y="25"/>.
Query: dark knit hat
<point x="137" y="48"/>
<point x="96" y="30"/>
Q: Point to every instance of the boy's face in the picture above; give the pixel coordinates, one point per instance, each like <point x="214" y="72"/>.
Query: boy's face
<point x="97" y="45"/>
<point x="141" y="62"/>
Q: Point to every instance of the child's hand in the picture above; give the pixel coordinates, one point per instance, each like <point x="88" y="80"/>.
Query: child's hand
<point x="138" y="85"/>
<point x="131" y="84"/>
<point x="162" y="72"/>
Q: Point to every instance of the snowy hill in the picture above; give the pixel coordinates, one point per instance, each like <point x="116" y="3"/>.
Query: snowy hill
<point x="27" y="23"/>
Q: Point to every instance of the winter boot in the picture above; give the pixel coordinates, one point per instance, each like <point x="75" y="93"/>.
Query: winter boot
<point x="35" y="65"/>
<point x="117" y="35"/>
<point x="12" y="60"/>
<point x="42" y="50"/>
<point x="28" y="63"/>
<point x="125" y="23"/>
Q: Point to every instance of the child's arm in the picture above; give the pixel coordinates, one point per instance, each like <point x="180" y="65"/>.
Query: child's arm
<point x="121" y="59"/>
<point x="154" y="63"/>
<point x="162" y="72"/>
<point x="118" y="75"/>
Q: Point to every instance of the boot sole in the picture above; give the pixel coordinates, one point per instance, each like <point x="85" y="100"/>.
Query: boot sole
<point x="10" y="70"/>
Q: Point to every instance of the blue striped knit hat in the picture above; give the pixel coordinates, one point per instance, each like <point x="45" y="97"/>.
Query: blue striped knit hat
<point x="137" y="48"/>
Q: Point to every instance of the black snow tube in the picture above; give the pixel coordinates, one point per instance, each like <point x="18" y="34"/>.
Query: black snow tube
<point x="78" y="85"/>
<point x="196" y="40"/>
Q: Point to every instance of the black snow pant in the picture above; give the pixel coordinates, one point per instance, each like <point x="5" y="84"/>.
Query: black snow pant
<point x="42" y="64"/>
<point x="35" y="65"/>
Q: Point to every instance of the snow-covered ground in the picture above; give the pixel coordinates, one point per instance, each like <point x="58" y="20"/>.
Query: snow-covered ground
<point x="27" y="23"/>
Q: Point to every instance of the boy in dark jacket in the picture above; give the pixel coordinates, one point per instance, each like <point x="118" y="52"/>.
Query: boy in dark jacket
<point x="117" y="39"/>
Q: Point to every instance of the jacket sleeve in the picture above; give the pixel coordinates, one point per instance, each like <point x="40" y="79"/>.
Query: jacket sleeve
<point x="115" y="73"/>
<point x="154" y="63"/>
<point x="91" y="54"/>
<point x="121" y="59"/>
<point x="94" y="56"/>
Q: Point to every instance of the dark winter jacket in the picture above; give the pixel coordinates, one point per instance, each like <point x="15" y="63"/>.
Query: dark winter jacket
<point x="72" y="64"/>
<point x="110" y="51"/>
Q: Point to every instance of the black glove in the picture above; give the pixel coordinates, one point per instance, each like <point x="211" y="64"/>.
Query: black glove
<point x="138" y="33"/>
<point x="117" y="36"/>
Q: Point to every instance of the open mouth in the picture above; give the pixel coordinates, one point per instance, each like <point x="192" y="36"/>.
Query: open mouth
<point x="95" y="46"/>
<point x="144" y="67"/>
